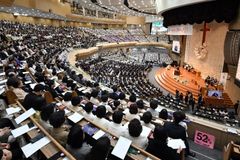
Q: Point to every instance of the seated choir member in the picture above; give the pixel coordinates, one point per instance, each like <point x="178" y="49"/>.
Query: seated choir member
<point x="163" y="114"/>
<point x="76" y="144"/>
<point x="123" y="102"/>
<point x="59" y="132"/>
<point x="94" y="96"/>
<point x="131" y="112"/>
<point x="100" y="117"/>
<point x="87" y="113"/>
<point x="134" y="134"/>
<point x="152" y="109"/>
<point x="132" y="100"/>
<point x="115" y="126"/>
<point x="100" y="150"/>
<point x="140" y="105"/>
<point x="45" y="114"/>
<point x="67" y="99"/>
<point x="76" y="103"/>
<point x="146" y="120"/>
<point x="104" y="99"/>
<point x="158" y="145"/>
<point x="176" y="131"/>
<point x="16" y="85"/>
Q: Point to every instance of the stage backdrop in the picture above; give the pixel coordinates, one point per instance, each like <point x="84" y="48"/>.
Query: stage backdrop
<point x="213" y="63"/>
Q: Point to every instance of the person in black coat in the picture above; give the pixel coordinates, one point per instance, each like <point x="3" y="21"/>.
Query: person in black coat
<point x="176" y="131"/>
<point x="158" y="145"/>
<point x="34" y="99"/>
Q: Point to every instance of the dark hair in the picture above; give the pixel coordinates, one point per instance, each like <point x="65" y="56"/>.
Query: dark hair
<point x="5" y="122"/>
<point x="15" y="82"/>
<point x="121" y="96"/>
<point x="39" y="102"/>
<point x="114" y="88"/>
<point x="67" y="96"/>
<point x="88" y="107"/>
<point x="47" y="110"/>
<point x="57" y="119"/>
<point x="104" y="92"/>
<point x="140" y="104"/>
<point x="101" y="111"/>
<point x="76" y="101"/>
<point x="69" y="83"/>
<point x="104" y="98"/>
<point x="178" y="116"/>
<point x="94" y="93"/>
<point x="12" y="82"/>
<point x="133" y="109"/>
<point x="163" y="114"/>
<point x="117" y="117"/>
<point x="135" y="128"/>
<point x="116" y="103"/>
<point x="147" y="117"/>
<point x="160" y="134"/>
<point x="96" y="84"/>
<point x="65" y="79"/>
<point x="113" y="96"/>
<point x="132" y="98"/>
<point x="50" y="83"/>
<point x="100" y="150"/>
<point x="75" y="137"/>
<point x="38" y="88"/>
<point x="153" y="104"/>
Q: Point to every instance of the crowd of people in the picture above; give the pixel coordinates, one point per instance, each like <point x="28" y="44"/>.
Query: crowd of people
<point x="42" y="51"/>
<point x="45" y="58"/>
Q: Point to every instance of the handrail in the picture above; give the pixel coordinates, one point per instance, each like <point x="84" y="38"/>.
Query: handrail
<point x="59" y="146"/>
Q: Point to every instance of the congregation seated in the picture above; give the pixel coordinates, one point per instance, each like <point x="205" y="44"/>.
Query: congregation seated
<point x="132" y="80"/>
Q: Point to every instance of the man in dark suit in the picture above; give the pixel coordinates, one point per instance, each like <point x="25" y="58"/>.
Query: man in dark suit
<point x="176" y="131"/>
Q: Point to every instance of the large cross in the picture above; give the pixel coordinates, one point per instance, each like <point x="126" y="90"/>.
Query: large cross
<point x="205" y="29"/>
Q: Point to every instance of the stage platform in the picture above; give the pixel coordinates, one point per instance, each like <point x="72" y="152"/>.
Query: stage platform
<point x="187" y="81"/>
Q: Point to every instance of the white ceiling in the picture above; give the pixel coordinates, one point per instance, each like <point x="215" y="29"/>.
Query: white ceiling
<point x="154" y="7"/>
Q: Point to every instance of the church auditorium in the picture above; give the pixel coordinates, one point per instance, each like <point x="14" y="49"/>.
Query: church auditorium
<point x="119" y="80"/>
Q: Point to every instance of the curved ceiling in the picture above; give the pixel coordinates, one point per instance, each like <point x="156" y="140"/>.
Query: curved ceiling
<point x="164" y="5"/>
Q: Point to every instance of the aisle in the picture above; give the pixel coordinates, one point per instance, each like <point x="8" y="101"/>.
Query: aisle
<point x="151" y="77"/>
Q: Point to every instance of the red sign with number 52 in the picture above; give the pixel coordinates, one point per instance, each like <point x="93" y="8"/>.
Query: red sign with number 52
<point x="204" y="139"/>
